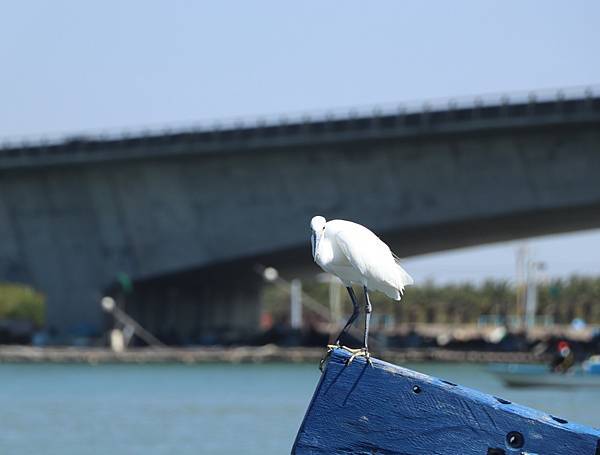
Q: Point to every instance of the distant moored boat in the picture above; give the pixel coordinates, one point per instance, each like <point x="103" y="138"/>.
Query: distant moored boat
<point x="527" y="375"/>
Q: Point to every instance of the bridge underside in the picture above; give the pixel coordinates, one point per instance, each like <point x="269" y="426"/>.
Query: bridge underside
<point x="220" y="304"/>
<point x="211" y="305"/>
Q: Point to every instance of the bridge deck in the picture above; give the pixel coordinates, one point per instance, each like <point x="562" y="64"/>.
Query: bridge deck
<point x="427" y="119"/>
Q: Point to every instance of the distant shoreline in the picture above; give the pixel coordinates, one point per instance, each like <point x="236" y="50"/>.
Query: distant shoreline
<point x="241" y="354"/>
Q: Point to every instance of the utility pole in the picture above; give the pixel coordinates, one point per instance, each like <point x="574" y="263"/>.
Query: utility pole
<point x="296" y="304"/>
<point x="522" y="257"/>
<point x="532" y="292"/>
<point x="335" y="303"/>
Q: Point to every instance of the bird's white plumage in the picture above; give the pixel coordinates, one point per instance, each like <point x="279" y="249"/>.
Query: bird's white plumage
<point x="356" y="255"/>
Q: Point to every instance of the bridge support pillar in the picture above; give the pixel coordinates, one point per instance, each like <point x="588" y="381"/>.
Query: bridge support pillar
<point x="220" y="306"/>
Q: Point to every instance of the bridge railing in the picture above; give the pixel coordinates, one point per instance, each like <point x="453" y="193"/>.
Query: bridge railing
<point x="304" y="117"/>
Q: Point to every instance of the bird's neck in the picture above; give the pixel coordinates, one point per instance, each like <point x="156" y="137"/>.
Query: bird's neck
<point x="324" y="252"/>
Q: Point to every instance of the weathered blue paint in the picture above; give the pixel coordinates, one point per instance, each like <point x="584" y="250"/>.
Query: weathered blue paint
<point x="386" y="409"/>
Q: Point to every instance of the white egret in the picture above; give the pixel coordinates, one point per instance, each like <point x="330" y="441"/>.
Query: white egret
<point x="356" y="255"/>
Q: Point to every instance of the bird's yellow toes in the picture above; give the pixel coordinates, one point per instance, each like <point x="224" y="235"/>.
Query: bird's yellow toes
<point x="359" y="353"/>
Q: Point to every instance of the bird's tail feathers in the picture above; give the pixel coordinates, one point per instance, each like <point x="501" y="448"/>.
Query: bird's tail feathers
<point x="403" y="278"/>
<point x="396" y="291"/>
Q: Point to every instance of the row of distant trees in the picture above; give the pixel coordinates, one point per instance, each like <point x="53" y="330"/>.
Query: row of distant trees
<point x="559" y="300"/>
<point x="21" y="302"/>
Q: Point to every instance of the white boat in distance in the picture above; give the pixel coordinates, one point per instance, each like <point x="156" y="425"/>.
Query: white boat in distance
<point x="527" y="375"/>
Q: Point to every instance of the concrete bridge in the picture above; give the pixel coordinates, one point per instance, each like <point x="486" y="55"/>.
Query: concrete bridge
<point x="187" y="214"/>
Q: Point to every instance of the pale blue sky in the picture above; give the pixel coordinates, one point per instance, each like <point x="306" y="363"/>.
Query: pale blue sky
<point x="69" y="66"/>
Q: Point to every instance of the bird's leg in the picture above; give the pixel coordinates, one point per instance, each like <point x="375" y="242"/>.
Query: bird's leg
<point x="355" y="313"/>
<point x="368" y="310"/>
<point x="336" y="344"/>
<point x="364" y="352"/>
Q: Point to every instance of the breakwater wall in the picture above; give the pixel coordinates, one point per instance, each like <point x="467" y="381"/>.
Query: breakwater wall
<point x="241" y="354"/>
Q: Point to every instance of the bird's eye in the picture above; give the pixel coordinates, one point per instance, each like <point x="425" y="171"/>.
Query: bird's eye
<point x="323" y="227"/>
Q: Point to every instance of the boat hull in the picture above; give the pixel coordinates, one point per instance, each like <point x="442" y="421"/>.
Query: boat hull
<point x="386" y="409"/>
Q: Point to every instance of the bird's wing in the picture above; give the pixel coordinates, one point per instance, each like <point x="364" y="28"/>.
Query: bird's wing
<point x="355" y="247"/>
<point x="372" y="257"/>
<point x="364" y="250"/>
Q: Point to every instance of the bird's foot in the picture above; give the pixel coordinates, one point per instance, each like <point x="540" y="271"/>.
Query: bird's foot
<point x="362" y="352"/>
<point x="353" y="350"/>
<point x="330" y="349"/>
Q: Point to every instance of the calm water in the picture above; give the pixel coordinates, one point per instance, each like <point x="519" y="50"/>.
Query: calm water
<point x="202" y="409"/>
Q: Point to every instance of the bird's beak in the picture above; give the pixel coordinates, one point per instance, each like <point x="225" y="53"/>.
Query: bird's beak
<point x="313" y="242"/>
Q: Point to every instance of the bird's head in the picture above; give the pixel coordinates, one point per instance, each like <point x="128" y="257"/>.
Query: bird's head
<point x="317" y="226"/>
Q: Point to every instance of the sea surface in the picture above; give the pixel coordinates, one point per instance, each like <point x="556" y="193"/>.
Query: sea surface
<point x="198" y="409"/>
